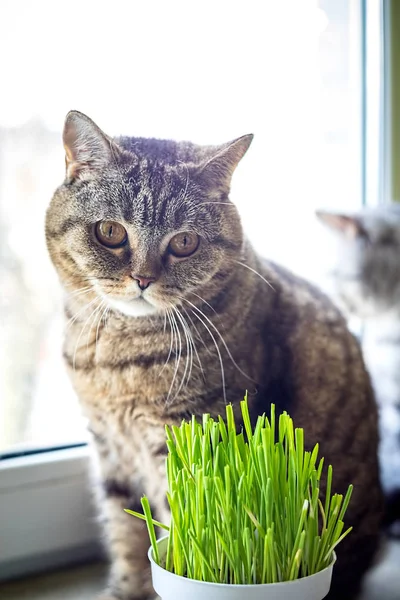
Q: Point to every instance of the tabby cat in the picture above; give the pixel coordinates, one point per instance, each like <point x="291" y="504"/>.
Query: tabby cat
<point x="367" y="285"/>
<point x="172" y="313"/>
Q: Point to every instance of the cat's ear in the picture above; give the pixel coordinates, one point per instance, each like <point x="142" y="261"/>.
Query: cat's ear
<point x="87" y="148"/>
<point x="217" y="170"/>
<point x="348" y="225"/>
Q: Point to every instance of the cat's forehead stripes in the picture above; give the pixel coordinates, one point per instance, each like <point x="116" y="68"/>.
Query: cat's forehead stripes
<point x="148" y="199"/>
<point x="154" y="196"/>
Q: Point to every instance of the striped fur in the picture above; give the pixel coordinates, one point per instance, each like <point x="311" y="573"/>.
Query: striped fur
<point x="221" y="321"/>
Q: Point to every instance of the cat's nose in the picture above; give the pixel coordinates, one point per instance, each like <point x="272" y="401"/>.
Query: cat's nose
<point x="143" y="282"/>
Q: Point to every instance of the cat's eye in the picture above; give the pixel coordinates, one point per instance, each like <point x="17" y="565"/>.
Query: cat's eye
<point x="111" y="234"/>
<point x="184" y="244"/>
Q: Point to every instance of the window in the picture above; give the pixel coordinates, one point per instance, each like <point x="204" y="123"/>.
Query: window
<point x="291" y="72"/>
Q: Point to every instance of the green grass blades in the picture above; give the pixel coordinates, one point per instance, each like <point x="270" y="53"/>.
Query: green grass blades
<point x="245" y="502"/>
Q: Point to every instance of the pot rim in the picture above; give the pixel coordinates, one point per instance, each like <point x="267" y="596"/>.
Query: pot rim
<point x="236" y="585"/>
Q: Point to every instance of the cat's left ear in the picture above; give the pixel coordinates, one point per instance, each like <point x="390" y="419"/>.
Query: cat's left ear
<point x="348" y="225"/>
<point x="87" y="148"/>
<point x="217" y="170"/>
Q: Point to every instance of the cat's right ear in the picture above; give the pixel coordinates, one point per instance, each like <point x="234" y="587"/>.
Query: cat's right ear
<point x="218" y="169"/>
<point x="348" y="225"/>
<point x="87" y="148"/>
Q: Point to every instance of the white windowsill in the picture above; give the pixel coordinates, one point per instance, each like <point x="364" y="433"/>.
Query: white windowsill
<point x="47" y="514"/>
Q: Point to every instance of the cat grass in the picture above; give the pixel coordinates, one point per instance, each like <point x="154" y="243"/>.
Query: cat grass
<point x="246" y="507"/>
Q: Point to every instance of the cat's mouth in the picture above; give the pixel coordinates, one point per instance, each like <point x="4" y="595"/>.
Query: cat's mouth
<point x="137" y="306"/>
<point x="132" y="302"/>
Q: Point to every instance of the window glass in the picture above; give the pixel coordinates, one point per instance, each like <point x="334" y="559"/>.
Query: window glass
<point x="287" y="71"/>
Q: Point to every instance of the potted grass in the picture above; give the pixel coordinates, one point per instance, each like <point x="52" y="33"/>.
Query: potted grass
<point x="247" y="519"/>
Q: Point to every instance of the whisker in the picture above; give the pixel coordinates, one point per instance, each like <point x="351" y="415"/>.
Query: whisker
<point x="95" y="313"/>
<point x="79" y="291"/>
<point x="218" y="352"/>
<point x="178" y="356"/>
<point x="78" y="294"/>
<point x="204" y="301"/>
<point x="193" y="345"/>
<point x="190" y="346"/>
<point x="180" y="346"/>
<point x="199" y="336"/>
<point x="187" y="351"/>
<point x="80" y="335"/>
<point x="171" y="342"/>
<point x="106" y="318"/>
<point x="83" y="278"/>
<point x="222" y="340"/>
<point x="114" y="293"/>
<point x="99" y="278"/>
<point x="103" y="314"/>
<point x="72" y="320"/>
<point x="256" y="273"/>
<point x="196" y="330"/>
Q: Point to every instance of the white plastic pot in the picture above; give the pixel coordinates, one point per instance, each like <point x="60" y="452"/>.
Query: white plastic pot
<point x="174" y="587"/>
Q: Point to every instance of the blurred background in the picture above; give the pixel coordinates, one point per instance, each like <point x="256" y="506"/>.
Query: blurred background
<point x="314" y="80"/>
<point x="298" y="74"/>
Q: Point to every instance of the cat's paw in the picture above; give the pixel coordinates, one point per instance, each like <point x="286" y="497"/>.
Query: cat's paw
<point x="131" y="586"/>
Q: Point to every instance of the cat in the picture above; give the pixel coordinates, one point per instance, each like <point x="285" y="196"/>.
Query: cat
<point x="172" y="313"/>
<point x="366" y="284"/>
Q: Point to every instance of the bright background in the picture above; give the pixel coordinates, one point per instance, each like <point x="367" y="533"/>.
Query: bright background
<point x="289" y="71"/>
